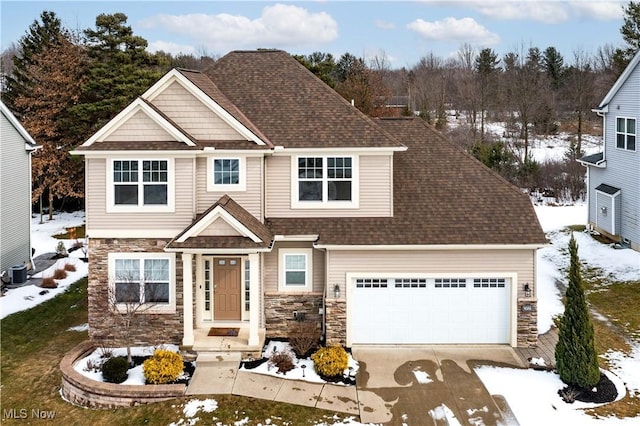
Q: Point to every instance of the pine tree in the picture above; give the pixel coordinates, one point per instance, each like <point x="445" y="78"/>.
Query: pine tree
<point x="576" y="357"/>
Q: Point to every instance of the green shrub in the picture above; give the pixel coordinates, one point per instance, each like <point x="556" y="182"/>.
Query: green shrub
<point x="330" y="361"/>
<point x="163" y="367"/>
<point x="114" y="370"/>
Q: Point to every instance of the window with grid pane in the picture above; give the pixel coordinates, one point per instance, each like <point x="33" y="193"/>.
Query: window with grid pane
<point x="140" y="182"/>
<point x="142" y="281"/>
<point x="226" y="171"/>
<point x="325" y="179"/>
<point x="626" y="133"/>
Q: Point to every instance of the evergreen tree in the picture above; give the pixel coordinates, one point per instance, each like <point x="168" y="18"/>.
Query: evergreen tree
<point x="486" y="68"/>
<point x="39" y="36"/>
<point x="630" y="31"/>
<point x="576" y="357"/>
<point x="120" y="69"/>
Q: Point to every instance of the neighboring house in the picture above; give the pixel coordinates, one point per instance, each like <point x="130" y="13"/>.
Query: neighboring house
<point x="254" y="196"/>
<point x="16" y="146"/>
<point x="613" y="175"/>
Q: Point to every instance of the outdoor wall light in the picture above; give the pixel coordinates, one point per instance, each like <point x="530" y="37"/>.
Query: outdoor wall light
<point x="527" y="290"/>
<point x="336" y="291"/>
<point x="603" y="210"/>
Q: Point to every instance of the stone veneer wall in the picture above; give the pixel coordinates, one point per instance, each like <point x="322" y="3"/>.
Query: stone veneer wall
<point x="279" y="308"/>
<point x="148" y="328"/>
<point x="527" y="324"/>
<point x="336" y="321"/>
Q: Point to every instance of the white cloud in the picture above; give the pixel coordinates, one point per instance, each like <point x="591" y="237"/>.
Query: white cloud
<point x="384" y="25"/>
<point x="549" y="12"/>
<point x="600" y="10"/>
<point x="465" y="30"/>
<point x="169" y="47"/>
<point x="279" y="26"/>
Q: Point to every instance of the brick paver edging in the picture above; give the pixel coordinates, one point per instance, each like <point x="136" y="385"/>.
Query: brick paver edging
<point x="83" y="391"/>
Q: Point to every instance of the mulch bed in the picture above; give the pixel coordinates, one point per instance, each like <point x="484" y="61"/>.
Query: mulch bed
<point x="604" y="391"/>
<point x="221" y="331"/>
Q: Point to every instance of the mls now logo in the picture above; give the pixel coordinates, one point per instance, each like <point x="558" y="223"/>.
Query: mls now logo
<point x="23" y="413"/>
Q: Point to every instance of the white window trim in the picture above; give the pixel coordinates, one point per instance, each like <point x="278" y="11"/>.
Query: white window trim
<point x="112" y="207"/>
<point x="242" y="183"/>
<point x="326" y="204"/>
<point x="282" y="286"/>
<point x="160" y="308"/>
<point x="615" y="143"/>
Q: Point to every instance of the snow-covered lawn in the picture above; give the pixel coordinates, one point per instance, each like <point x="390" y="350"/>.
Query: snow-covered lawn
<point x="531" y="394"/>
<point x="42" y="241"/>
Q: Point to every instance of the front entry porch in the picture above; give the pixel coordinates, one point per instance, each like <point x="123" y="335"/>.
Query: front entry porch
<point x="202" y="342"/>
<point x="224" y="292"/>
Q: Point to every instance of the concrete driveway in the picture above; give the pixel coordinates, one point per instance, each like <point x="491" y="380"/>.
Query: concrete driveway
<point x="430" y="385"/>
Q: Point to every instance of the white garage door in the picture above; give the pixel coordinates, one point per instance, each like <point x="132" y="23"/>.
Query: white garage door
<point x="429" y="310"/>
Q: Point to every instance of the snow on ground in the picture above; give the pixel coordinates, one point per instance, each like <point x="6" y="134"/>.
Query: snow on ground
<point x="531" y="394"/>
<point x="23" y="298"/>
<point x="89" y="366"/>
<point x="303" y="368"/>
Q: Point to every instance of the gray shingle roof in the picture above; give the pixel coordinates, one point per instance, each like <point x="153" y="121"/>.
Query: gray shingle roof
<point x="594" y="159"/>
<point x="607" y="189"/>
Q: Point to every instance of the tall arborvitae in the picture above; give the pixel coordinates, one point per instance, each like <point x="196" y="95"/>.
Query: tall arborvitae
<point x="576" y="357"/>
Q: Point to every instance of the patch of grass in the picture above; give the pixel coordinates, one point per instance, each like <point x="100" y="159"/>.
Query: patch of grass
<point x="619" y="302"/>
<point x="72" y="233"/>
<point x="34" y="342"/>
<point x="577" y="228"/>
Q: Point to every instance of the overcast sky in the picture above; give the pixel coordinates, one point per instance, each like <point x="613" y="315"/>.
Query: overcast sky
<point x="401" y="31"/>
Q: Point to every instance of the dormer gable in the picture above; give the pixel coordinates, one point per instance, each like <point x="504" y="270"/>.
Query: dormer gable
<point x="193" y="101"/>
<point x="140" y="122"/>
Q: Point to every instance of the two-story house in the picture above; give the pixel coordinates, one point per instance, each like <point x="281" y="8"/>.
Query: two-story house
<point x="613" y="175"/>
<point x="16" y="146"/>
<point x="254" y="196"/>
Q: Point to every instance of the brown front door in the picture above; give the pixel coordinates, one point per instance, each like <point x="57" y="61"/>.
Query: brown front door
<point x="226" y="289"/>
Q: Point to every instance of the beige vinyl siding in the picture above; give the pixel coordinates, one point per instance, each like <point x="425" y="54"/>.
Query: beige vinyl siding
<point x="139" y="128"/>
<point x="167" y="224"/>
<point x="250" y="199"/>
<point x="219" y="227"/>
<point x="376" y="194"/>
<point x="460" y="262"/>
<point x="192" y="115"/>
<point x="271" y="266"/>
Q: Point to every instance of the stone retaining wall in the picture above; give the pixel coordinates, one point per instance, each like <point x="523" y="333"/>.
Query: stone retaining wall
<point x="83" y="391"/>
<point x="527" y="328"/>
<point x="279" y="309"/>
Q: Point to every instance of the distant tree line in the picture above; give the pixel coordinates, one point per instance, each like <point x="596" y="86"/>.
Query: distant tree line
<point x="65" y="85"/>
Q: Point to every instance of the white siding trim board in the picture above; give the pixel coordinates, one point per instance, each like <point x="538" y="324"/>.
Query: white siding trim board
<point x="418" y="247"/>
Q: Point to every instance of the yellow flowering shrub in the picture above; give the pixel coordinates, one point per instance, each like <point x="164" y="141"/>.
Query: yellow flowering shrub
<point x="163" y="367"/>
<point x="330" y="361"/>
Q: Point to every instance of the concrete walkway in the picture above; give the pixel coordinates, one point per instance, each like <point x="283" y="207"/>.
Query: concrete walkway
<point x="395" y="385"/>
<point x="218" y="373"/>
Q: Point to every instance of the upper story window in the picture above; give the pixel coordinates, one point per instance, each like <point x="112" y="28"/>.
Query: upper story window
<point x="140" y="185"/>
<point x="226" y="174"/>
<point x="143" y="279"/>
<point x="626" y="133"/>
<point x="325" y="181"/>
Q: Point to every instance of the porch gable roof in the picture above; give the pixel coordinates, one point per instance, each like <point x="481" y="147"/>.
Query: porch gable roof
<point x="252" y="232"/>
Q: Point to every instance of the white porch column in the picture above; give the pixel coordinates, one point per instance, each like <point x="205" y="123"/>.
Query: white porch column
<point x="254" y="299"/>
<point x="187" y="298"/>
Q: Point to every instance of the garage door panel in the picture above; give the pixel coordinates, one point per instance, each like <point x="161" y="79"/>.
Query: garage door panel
<point x="419" y="312"/>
